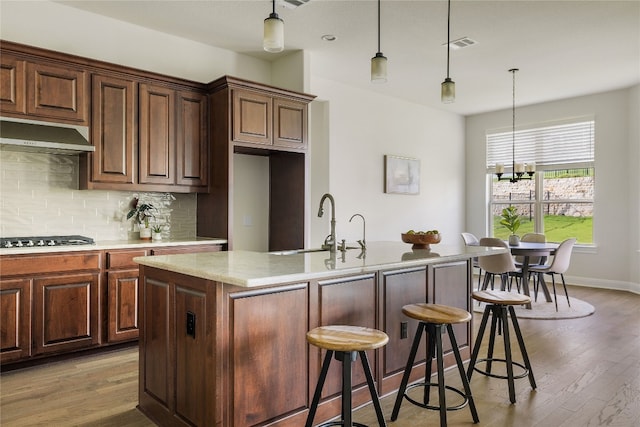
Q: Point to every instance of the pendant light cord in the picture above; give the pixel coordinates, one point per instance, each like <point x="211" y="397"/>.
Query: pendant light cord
<point x="513" y="121"/>
<point x="274" y="7"/>
<point x="378" y="25"/>
<point x="448" y="34"/>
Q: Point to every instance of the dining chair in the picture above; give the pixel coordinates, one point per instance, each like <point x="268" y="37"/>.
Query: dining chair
<point x="534" y="260"/>
<point x="559" y="265"/>
<point x="471" y="240"/>
<point x="499" y="264"/>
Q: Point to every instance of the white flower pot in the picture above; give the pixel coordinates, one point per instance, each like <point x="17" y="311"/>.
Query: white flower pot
<point x="155" y="236"/>
<point x="514" y="240"/>
<point x="145" y="233"/>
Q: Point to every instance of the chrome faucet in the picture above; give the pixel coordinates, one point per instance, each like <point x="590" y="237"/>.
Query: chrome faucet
<point x="363" y="242"/>
<point x="330" y="241"/>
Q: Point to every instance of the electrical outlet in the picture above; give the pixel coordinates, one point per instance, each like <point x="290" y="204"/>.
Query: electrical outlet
<point x="404" y="333"/>
<point x="191" y="324"/>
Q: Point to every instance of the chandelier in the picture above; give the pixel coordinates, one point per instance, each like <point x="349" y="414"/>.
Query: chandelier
<point x="518" y="169"/>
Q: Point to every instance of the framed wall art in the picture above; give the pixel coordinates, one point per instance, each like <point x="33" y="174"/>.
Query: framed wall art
<point x="402" y="175"/>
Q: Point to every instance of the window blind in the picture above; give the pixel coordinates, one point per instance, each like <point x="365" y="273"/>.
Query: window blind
<point x="549" y="147"/>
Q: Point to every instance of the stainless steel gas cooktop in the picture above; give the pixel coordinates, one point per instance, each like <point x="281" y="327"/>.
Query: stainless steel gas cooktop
<point x="44" y="241"/>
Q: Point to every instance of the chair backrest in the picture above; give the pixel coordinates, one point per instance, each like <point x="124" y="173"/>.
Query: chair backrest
<point x="499" y="263"/>
<point x="535" y="238"/>
<point x="470" y="239"/>
<point x="562" y="257"/>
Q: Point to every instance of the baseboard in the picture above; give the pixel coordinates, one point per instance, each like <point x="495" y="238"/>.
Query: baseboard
<point x="603" y="283"/>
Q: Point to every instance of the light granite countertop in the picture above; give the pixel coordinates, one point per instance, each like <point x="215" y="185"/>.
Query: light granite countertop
<point x="113" y="244"/>
<point x="253" y="269"/>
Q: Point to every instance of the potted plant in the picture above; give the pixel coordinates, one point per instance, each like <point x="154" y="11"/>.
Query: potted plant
<point x="156" y="233"/>
<point x="511" y="221"/>
<point x="142" y="213"/>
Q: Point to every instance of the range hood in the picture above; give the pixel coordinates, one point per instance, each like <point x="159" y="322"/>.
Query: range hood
<point x="42" y="138"/>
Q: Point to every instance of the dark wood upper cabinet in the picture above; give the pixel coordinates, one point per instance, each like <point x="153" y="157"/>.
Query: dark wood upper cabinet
<point x="157" y="135"/>
<point x="44" y="90"/>
<point x="290" y="123"/>
<point x="12" y="85"/>
<point x="113" y="130"/>
<point x="57" y="92"/>
<point x="252" y="117"/>
<point x="256" y="119"/>
<point x="192" y="144"/>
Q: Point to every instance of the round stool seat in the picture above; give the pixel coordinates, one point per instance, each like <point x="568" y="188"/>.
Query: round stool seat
<point x="436" y="313"/>
<point x="501" y="297"/>
<point x="347" y="338"/>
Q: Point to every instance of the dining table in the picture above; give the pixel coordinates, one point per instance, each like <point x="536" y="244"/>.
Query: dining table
<point x="527" y="250"/>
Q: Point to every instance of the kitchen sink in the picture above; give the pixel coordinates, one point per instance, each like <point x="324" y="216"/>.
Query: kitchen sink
<point x="298" y="251"/>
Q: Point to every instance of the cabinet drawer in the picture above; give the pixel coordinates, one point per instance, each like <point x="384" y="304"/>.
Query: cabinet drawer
<point x="38" y="264"/>
<point x="124" y="259"/>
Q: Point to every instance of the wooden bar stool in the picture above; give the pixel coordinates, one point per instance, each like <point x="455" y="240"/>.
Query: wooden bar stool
<point x="346" y="342"/>
<point x="434" y="318"/>
<point x="498" y="303"/>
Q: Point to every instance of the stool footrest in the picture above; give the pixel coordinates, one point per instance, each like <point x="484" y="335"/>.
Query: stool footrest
<point x="525" y="371"/>
<point x="340" y="423"/>
<point x="464" y="403"/>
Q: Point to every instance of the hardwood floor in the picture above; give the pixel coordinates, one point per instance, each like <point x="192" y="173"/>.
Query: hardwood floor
<point x="587" y="372"/>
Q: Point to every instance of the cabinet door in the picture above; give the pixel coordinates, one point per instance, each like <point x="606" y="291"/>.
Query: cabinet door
<point x="57" y="92"/>
<point x="252" y="117"/>
<point x="346" y="301"/>
<point x="113" y="130"/>
<point x="450" y="284"/>
<point x="401" y="287"/>
<point x="192" y="148"/>
<point x="290" y="123"/>
<point x="157" y="135"/>
<point x="12" y="85"/>
<point x="122" y="302"/>
<point x="66" y="312"/>
<point x="268" y="330"/>
<point x="15" y="319"/>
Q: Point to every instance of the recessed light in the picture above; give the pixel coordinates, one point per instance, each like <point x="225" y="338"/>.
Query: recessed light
<point x="328" y="37"/>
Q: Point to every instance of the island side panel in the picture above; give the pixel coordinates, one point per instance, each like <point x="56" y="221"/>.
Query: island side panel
<point x="397" y="289"/>
<point x="450" y="284"/>
<point x="268" y="355"/>
<point x="348" y="300"/>
<point x="177" y="383"/>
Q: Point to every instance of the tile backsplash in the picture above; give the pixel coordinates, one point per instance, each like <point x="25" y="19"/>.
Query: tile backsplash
<point x="39" y="196"/>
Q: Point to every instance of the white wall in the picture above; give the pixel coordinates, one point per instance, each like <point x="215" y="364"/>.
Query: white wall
<point x="609" y="264"/>
<point x="364" y="126"/>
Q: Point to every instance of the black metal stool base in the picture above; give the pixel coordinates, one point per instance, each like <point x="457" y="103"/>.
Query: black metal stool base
<point x="347" y="358"/>
<point x="434" y="350"/>
<point x="340" y="423"/>
<point x="432" y="407"/>
<point x="500" y="324"/>
<point x="524" y="373"/>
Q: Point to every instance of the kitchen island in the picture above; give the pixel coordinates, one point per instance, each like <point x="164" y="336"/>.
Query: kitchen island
<point x="222" y="335"/>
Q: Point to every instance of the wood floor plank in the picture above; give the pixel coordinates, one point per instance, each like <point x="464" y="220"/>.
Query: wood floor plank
<point x="587" y="371"/>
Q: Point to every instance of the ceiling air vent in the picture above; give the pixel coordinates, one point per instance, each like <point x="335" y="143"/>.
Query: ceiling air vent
<point x="292" y="4"/>
<point x="461" y="43"/>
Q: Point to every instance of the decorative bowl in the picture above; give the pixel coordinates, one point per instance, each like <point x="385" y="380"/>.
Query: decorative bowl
<point x="421" y="241"/>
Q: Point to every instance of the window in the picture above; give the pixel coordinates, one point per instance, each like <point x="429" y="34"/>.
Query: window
<point x="558" y="200"/>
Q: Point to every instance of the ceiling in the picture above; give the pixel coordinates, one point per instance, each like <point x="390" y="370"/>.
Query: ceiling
<point x="562" y="48"/>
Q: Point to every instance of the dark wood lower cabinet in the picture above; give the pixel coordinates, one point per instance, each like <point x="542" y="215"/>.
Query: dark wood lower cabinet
<point x="15" y="319"/>
<point x="216" y="354"/>
<point x="65" y="313"/>
<point x="122" y="303"/>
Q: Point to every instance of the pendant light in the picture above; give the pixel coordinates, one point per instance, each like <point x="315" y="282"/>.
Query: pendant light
<point x="448" y="86"/>
<point x="273" y="39"/>
<point x="518" y="169"/>
<point x="379" y="62"/>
